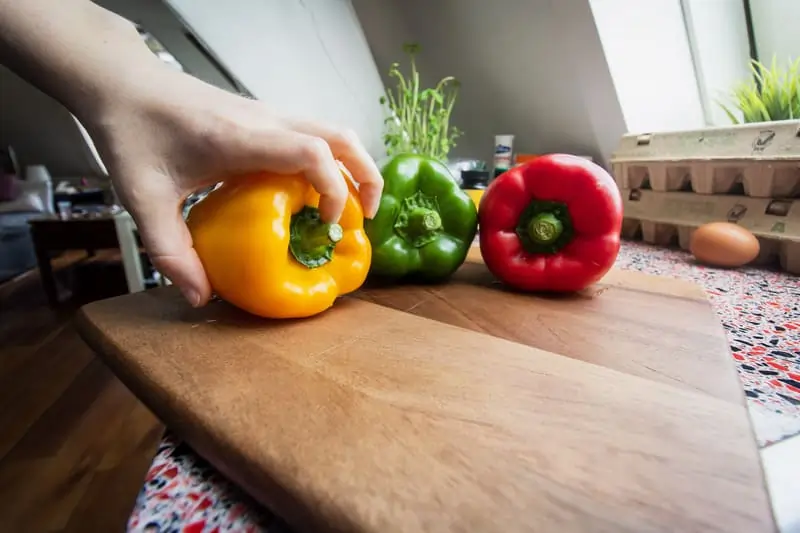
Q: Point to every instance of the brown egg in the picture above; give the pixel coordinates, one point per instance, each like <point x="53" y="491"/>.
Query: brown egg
<point x="723" y="244"/>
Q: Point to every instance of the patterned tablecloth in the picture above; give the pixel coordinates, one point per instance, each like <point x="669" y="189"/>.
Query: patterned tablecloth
<point x="759" y="309"/>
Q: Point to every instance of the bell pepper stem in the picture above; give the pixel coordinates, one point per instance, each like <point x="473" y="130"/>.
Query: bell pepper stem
<point x="320" y="235"/>
<point x="545" y="228"/>
<point x="418" y="221"/>
<point x="312" y="241"/>
<point x="422" y="220"/>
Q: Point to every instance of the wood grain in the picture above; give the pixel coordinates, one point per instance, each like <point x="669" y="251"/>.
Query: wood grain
<point x="657" y="328"/>
<point x="370" y="419"/>
<point x="75" y="444"/>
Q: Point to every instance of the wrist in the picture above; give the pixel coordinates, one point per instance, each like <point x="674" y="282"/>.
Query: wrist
<point x="78" y="53"/>
<point x="125" y="72"/>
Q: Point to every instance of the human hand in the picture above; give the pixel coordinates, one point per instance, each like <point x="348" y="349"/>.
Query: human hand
<point x="177" y="134"/>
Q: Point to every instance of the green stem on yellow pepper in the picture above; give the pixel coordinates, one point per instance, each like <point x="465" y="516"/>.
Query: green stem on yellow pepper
<point x="312" y="241"/>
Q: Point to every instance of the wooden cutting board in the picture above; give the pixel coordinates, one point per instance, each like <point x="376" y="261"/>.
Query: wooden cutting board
<point x="370" y="418"/>
<point x="657" y="328"/>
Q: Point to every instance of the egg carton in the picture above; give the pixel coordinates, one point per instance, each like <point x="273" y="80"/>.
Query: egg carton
<point x="670" y="218"/>
<point x="756" y="160"/>
<point x="771" y="251"/>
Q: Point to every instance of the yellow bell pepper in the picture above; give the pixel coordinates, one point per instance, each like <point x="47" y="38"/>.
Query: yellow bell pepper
<point x="266" y="251"/>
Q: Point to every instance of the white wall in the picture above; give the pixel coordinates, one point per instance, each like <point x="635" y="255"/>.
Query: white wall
<point x="650" y="60"/>
<point x="776" y="24"/>
<point x="307" y="57"/>
<point x="532" y="68"/>
<point x="718" y="33"/>
<point x="568" y="75"/>
<point x="157" y="18"/>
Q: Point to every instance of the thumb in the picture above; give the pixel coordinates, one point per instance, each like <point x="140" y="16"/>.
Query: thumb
<point x="169" y="245"/>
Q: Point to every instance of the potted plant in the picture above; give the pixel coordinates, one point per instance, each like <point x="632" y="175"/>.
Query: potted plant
<point x="419" y="118"/>
<point x="773" y="94"/>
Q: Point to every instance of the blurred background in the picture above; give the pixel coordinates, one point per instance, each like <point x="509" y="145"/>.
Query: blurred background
<point x="558" y="75"/>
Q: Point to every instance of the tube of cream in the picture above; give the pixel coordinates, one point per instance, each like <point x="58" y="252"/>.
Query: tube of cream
<point x="503" y="153"/>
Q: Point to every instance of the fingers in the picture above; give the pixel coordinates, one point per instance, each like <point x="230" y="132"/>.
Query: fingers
<point x="289" y="146"/>
<point x="316" y="161"/>
<point x="346" y="146"/>
<point x="290" y="152"/>
<point x="169" y="245"/>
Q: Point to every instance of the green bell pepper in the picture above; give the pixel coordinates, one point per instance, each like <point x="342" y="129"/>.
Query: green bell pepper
<point x="425" y="223"/>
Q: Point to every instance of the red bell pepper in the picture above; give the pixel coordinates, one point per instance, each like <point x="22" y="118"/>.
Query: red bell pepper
<point x="552" y="224"/>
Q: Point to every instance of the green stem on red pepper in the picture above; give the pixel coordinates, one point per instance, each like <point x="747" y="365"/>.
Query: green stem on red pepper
<point x="544" y="227"/>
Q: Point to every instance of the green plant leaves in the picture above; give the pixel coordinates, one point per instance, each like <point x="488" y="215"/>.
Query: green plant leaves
<point x="772" y="94"/>
<point x="419" y="119"/>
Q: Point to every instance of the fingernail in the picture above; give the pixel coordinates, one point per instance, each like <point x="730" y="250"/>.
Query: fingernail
<point x="192" y="296"/>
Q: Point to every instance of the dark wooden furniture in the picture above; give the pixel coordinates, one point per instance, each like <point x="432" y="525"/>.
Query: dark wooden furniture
<point x="51" y="235"/>
<point x="458" y="407"/>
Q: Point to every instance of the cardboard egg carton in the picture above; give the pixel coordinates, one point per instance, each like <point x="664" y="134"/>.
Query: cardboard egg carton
<point x="757" y="160"/>
<point x="667" y="218"/>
